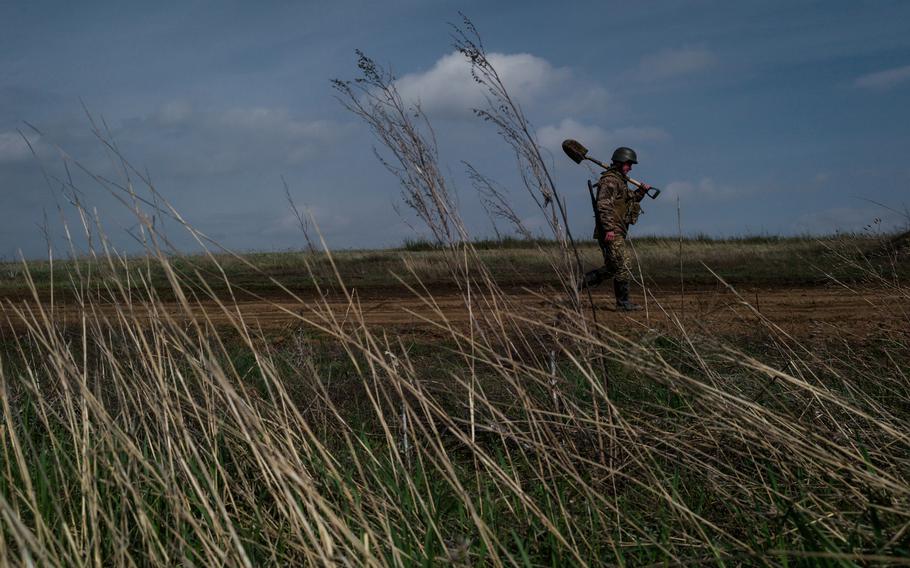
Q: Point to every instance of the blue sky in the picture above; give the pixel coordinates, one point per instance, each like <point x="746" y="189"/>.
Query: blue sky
<point x="759" y="117"/>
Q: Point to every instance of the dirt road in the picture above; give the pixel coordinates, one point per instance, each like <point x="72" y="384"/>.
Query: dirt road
<point x="803" y="312"/>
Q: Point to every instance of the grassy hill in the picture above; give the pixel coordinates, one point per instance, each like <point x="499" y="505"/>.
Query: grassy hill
<point x="662" y="262"/>
<point x="137" y="436"/>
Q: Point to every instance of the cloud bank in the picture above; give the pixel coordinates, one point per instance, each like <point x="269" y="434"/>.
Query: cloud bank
<point x="884" y="80"/>
<point x="869" y="220"/>
<point x="447" y="88"/>
<point x="704" y="189"/>
<point x="672" y="63"/>
<point x="238" y="138"/>
<point x="603" y="140"/>
<point x="14" y="148"/>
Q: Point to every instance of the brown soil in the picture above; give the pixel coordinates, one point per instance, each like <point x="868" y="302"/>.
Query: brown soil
<point x="801" y="312"/>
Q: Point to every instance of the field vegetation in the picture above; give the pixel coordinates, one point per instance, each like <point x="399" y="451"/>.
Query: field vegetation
<point x="142" y="432"/>
<point x="138" y="438"/>
<point x="746" y="261"/>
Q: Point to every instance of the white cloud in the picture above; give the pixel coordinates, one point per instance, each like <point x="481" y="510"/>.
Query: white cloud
<point x="448" y="88"/>
<point x="671" y="63"/>
<point x="848" y="219"/>
<point x="591" y="98"/>
<point x="317" y="220"/>
<point x="597" y="138"/>
<point x="551" y="137"/>
<point x="705" y="188"/>
<point x="822" y="177"/>
<point x="883" y="80"/>
<point x="13" y="147"/>
<point x="274" y="122"/>
<point x="535" y="224"/>
<point x="637" y="134"/>
<point x="173" y="113"/>
<point x="236" y="137"/>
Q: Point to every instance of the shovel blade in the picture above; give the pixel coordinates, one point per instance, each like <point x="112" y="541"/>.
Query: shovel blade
<point x="574" y="150"/>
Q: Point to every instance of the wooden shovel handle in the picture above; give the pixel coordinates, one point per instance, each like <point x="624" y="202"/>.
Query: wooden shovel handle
<point x="652" y="193"/>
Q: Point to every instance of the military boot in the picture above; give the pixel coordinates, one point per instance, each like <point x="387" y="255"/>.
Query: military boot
<point x="623" y="304"/>
<point x="590" y="279"/>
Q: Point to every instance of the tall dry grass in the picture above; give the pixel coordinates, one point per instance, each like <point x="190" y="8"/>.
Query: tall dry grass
<point x="151" y="436"/>
<point x="148" y="435"/>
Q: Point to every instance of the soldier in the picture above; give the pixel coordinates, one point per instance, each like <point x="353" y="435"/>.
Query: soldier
<point x="617" y="208"/>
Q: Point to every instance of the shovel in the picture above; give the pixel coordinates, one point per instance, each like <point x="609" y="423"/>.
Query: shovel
<point x="579" y="153"/>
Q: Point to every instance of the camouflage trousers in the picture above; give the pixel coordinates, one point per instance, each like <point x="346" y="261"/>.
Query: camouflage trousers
<point x="616" y="263"/>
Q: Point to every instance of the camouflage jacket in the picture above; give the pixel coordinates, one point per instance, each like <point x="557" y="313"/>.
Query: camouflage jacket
<point x="617" y="204"/>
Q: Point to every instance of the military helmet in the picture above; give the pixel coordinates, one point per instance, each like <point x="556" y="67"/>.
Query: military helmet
<point x="623" y="154"/>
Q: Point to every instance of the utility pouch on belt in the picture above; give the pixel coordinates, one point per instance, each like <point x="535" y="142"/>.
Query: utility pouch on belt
<point x="633" y="213"/>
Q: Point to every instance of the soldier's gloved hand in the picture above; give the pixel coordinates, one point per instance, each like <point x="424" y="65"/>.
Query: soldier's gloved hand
<point x="642" y="191"/>
<point x="610" y="236"/>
